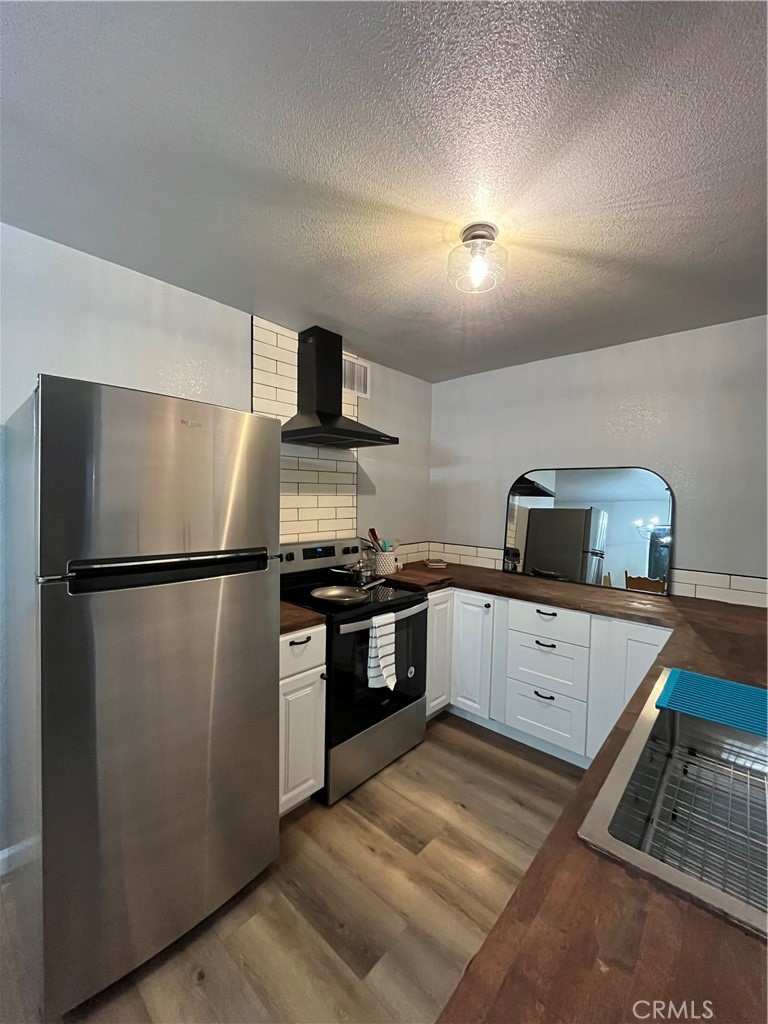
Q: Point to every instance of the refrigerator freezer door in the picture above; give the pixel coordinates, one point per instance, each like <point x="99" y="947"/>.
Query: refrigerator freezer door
<point x="554" y="541"/>
<point x="129" y="473"/>
<point x="598" y="528"/>
<point x="592" y="568"/>
<point x="159" y="766"/>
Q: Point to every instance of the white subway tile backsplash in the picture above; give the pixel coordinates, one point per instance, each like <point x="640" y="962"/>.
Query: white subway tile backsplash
<point x="287" y="371"/>
<point x="324" y="489"/>
<point x="485" y="563"/>
<point x="492" y="553"/>
<point x="336" y="478"/>
<point x="682" y="589"/>
<point x="308" y="451"/>
<point x="733" y="596"/>
<point x="298" y="476"/>
<point x="756" y="584"/>
<point x="298" y="501"/>
<point x="262" y="363"/>
<point x="318" y="464"/>
<point x="332" y="499"/>
<point x="277" y="410"/>
<point x="262" y="391"/>
<point x="266" y="379"/>
<point x="459" y="549"/>
<point x="705" y="579"/>
<point x="309" y="474"/>
<point x="264" y="335"/>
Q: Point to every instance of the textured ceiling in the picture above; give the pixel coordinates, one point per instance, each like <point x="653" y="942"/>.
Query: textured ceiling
<point x="314" y="162"/>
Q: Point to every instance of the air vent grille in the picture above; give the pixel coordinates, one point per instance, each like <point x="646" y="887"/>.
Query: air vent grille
<point x="356" y="376"/>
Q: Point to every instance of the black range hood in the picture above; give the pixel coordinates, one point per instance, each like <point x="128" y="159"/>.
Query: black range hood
<point x="319" y="419"/>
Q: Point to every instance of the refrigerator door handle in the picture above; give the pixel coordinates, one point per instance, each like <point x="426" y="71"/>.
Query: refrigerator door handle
<point x="117" y="574"/>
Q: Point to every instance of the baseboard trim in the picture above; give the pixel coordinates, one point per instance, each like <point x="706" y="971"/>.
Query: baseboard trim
<point x="521" y="737"/>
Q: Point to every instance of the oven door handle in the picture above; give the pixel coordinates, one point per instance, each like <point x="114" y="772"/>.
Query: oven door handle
<point x="355" y="627"/>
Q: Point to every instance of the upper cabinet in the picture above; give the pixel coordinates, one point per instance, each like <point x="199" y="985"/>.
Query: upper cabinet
<point x="472" y="639"/>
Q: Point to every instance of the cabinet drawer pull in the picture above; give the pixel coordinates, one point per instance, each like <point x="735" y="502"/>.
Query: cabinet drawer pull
<point x="543" y="697"/>
<point x="541" y="644"/>
<point x="299" y="643"/>
<point x="323" y="675"/>
<point x="552" y="615"/>
<point x="487" y="606"/>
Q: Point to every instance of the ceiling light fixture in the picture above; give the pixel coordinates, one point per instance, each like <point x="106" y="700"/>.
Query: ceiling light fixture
<point x="479" y="263"/>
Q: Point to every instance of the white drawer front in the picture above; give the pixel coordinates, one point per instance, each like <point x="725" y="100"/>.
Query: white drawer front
<point x="560" y="720"/>
<point x="553" y="623"/>
<point x="302" y="651"/>
<point x="558" y="666"/>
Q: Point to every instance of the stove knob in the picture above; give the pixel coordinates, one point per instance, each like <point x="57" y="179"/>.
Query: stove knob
<point x="346" y="551"/>
<point x="290" y="556"/>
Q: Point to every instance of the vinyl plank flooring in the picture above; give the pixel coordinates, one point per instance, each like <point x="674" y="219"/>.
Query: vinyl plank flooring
<point x="402" y="820"/>
<point x="297" y="973"/>
<point x="201" y="982"/>
<point x="355" y="922"/>
<point x="415" y="977"/>
<point x="374" y="907"/>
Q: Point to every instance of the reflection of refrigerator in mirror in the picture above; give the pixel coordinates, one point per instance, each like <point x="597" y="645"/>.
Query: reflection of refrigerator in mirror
<point x="566" y="543"/>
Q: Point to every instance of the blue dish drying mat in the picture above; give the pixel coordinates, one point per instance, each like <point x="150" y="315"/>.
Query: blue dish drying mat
<point x="716" y="700"/>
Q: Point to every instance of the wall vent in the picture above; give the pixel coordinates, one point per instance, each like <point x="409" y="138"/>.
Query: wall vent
<point x="356" y="376"/>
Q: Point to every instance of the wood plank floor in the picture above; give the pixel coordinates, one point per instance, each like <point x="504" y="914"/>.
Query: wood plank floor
<point x="374" y="907"/>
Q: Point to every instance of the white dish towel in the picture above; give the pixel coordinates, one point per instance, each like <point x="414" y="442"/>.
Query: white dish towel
<point x="381" y="652"/>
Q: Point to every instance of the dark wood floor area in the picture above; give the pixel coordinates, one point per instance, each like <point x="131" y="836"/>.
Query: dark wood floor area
<point x="375" y="905"/>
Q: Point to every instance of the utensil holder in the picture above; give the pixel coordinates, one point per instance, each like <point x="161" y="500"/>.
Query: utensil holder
<point x="385" y="563"/>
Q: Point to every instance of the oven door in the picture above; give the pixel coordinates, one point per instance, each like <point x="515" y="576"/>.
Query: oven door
<point x="353" y="706"/>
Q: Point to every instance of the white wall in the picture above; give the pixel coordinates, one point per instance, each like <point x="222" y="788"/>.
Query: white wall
<point x="393" y="482"/>
<point x="690" y="406"/>
<point x="64" y="312"/>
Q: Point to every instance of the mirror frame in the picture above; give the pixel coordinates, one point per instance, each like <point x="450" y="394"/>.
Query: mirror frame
<point x="573" y="469"/>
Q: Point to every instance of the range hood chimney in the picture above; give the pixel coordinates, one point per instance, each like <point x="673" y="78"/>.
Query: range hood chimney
<point x="319" y="419"/>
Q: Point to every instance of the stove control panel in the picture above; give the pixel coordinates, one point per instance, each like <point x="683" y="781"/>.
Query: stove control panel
<point x="320" y="555"/>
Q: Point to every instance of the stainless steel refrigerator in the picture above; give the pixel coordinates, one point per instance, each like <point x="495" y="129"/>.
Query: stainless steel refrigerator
<point x="159" y="626"/>
<point x="566" y="543"/>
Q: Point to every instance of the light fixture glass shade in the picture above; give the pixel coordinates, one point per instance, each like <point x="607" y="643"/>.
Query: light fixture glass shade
<point x="477" y="265"/>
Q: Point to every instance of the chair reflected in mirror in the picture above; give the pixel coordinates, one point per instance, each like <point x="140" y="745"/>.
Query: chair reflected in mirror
<point x="645" y="583"/>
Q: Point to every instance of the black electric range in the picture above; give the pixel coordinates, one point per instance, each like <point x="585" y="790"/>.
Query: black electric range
<point x="366" y="727"/>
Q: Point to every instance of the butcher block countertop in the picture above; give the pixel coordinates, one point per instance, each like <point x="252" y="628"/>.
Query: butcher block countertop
<point x="584" y="938"/>
<point x="293" y="618"/>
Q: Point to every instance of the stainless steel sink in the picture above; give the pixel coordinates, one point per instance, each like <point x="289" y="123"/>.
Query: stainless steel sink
<point x="686" y="802"/>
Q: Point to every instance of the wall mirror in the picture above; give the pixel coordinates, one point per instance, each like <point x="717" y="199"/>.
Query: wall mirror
<point x="610" y="527"/>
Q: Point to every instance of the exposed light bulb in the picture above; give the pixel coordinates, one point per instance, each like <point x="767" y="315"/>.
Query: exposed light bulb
<point x="479" y="263"/>
<point x="478" y="270"/>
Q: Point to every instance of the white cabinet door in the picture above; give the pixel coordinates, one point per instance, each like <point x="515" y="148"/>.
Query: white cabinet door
<point x="439" y="633"/>
<point x="621" y="655"/>
<point x="302" y="736"/>
<point x="472" y="637"/>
